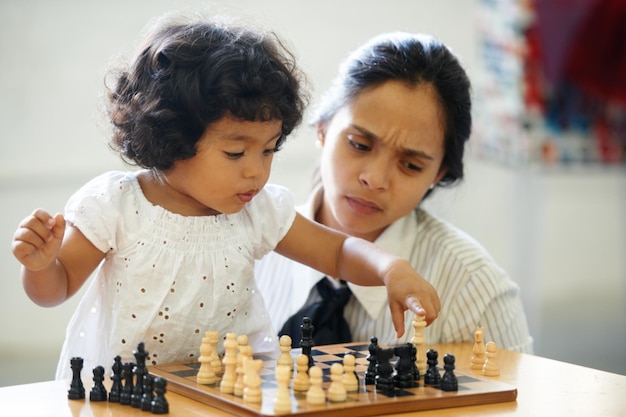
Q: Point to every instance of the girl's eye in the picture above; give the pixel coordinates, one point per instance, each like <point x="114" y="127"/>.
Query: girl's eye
<point x="234" y="155"/>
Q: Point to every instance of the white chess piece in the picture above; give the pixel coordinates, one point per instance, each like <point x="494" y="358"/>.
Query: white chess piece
<point x="478" y="351"/>
<point x="350" y="380"/>
<point x="282" y="402"/>
<point x="206" y="374"/>
<point x="337" y="392"/>
<point x="315" y="395"/>
<point x="490" y="368"/>
<point x="301" y="381"/>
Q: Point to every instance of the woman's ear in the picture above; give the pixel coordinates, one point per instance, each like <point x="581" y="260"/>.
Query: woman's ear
<point x="321" y="134"/>
<point x="442" y="172"/>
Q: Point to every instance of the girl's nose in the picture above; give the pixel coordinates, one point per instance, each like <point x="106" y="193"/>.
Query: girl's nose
<point x="375" y="175"/>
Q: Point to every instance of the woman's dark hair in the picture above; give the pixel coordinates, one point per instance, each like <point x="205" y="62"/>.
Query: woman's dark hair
<point x="189" y="75"/>
<point x="413" y="59"/>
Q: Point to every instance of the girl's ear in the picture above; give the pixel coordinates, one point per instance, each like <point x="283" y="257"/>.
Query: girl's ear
<point x="321" y="134"/>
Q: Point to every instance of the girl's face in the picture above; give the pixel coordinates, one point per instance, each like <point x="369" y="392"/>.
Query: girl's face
<point x="231" y="166"/>
<point x="380" y="155"/>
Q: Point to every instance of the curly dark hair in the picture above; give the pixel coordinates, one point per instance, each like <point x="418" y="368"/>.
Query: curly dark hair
<point x="413" y="59"/>
<point x="189" y="75"/>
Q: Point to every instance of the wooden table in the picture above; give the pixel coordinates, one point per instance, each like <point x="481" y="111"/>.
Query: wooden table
<point x="545" y="388"/>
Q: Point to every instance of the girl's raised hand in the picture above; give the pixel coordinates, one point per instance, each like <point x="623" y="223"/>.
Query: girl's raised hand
<point x="406" y="289"/>
<point x="38" y="238"/>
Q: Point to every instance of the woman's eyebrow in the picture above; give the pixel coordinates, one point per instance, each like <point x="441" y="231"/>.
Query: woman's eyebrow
<point x="407" y="151"/>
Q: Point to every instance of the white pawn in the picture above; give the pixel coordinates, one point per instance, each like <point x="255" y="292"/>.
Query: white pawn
<point x="350" y="380"/>
<point x="285" y="359"/>
<point x="315" y="395"/>
<point x="282" y="402"/>
<point x="478" y="351"/>
<point x="301" y="381"/>
<point x="227" y="385"/>
<point x="244" y="352"/>
<point x="215" y="359"/>
<point x="206" y="374"/>
<point x="252" y="381"/>
<point x="337" y="392"/>
<point x="490" y="368"/>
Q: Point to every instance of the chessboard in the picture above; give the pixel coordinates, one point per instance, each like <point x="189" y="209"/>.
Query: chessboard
<point x="473" y="389"/>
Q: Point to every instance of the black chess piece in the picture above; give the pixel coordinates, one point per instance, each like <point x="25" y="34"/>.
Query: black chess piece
<point x="159" y="403"/>
<point x="148" y="393"/>
<point x="140" y="370"/>
<point x="127" y="377"/>
<point x="77" y="389"/>
<point x="370" y="373"/>
<point x="432" y="376"/>
<point x="306" y="342"/>
<point x="448" y="380"/>
<point x="384" y="370"/>
<point x="116" y="377"/>
<point x="98" y="391"/>
<point x="405" y="375"/>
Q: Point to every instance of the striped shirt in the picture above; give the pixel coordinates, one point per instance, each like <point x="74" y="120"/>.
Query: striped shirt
<point x="473" y="289"/>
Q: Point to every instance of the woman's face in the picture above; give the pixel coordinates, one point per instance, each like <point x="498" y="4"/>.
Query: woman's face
<point x="380" y="155"/>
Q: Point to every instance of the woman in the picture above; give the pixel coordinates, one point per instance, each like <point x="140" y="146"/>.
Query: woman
<point x="392" y="128"/>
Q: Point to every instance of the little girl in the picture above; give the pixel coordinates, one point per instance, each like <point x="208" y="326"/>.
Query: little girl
<point x="202" y="110"/>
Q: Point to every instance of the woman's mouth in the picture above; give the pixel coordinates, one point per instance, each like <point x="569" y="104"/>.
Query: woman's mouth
<point x="363" y="206"/>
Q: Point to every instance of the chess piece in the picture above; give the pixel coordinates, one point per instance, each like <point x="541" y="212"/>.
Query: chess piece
<point x="316" y="395"/>
<point x="285" y="358"/>
<point x="148" y="393"/>
<point x="301" y="381"/>
<point x="215" y="359"/>
<point x="127" y="377"/>
<point x="490" y="368"/>
<point x="98" y="391"/>
<point x="384" y="370"/>
<point x="405" y="366"/>
<point x="350" y="381"/>
<point x="206" y="373"/>
<point x="370" y="373"/>
<point x="159" y="404"/>
<point x="337" y="392"/>
<point x="140" y="370"/>
<point x="306" y="342"/>
<point x="252" y="381"/>
<point x="418" y="340"/>
<point x="245" y="351"/>
<point x="116" y="378"/>
<point x="282" y="402"/>
<point x="77" y="389"/>
<point x="478" y="351"/>
<point x="432" y="376"/>
<point x="448" y="381"/>
<point x="227" y="385"/>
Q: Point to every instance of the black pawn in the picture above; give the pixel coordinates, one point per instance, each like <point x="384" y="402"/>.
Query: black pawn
<point x="77" y="389"/>
<point x="116" y="377"/>
<point x="127" y="389"/>
<point x="370" y="373"/>
<point x="306" y="342"/>
<point x="159" y="403"/>
<point x="146" y="399"/>
<point x="432" y="376"/>
<point x="448" y="380"/>
<point x="98" y="391"/>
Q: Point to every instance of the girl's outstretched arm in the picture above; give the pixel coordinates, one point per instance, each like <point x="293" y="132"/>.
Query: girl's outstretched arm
<point x="361" y="262"/>
<point x="56" y="258"/>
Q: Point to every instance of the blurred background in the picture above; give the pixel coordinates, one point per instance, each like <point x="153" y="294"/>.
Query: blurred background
<point x="545" y="187"/>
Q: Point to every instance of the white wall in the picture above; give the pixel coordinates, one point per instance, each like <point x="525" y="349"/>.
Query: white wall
<point x="560" y="235"/>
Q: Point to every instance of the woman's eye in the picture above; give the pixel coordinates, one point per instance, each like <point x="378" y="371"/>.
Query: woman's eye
<point x="413" y="167"/>
<point x="358" y="146"/>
